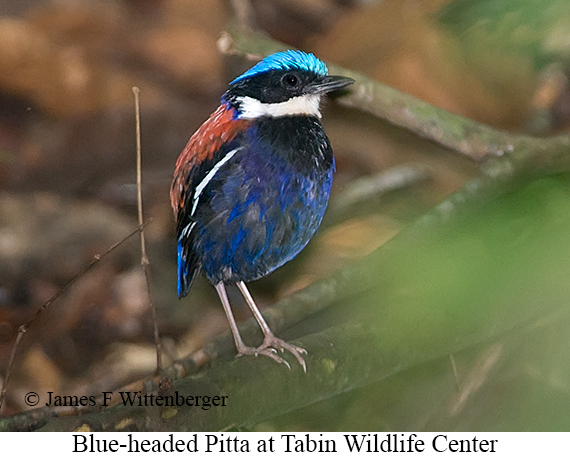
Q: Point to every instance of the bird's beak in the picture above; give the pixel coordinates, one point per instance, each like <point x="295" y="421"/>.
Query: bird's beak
<point x="328" y="84"/>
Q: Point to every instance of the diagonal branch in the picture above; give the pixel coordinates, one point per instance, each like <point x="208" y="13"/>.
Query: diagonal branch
<point x="452" y="131"/>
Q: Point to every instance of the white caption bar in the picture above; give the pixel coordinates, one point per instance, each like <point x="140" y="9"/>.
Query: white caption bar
<point x="285" y="443"/>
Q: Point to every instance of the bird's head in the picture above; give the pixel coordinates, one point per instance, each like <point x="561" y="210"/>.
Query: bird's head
<point x="288" y="83"/>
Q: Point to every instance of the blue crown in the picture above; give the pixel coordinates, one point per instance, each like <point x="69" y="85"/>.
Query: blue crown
<point x="287" y="60"/>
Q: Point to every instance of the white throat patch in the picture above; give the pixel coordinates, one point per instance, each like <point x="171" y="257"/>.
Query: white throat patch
<point x="307" y="105"/>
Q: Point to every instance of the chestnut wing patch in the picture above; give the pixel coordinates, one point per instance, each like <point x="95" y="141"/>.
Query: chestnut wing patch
<point x="220" y="128"/>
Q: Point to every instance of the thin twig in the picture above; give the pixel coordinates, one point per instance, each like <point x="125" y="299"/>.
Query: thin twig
<point x="24" y="328"/>
<point x="144" y="257"/>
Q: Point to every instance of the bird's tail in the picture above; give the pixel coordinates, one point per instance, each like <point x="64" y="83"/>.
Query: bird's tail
<point x="187" y="270"/>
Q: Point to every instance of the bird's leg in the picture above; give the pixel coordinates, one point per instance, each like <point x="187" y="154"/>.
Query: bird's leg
<point x="270" y="340"/>
<point x="241" y="347"/>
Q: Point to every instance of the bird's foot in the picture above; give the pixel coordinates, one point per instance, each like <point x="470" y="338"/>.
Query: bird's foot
<point x="271" y="344"/>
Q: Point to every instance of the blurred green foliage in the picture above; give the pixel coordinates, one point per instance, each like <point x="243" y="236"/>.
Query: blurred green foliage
<point x="535" y="28"/>
<point x="496" y="284"/>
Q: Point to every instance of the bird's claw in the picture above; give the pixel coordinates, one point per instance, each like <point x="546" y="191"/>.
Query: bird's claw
<point x="271" y="341"/>
<point x="261" y="350"/>
<point x="269" y="349"/>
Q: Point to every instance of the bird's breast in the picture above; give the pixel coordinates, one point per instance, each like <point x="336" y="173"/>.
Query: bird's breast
<point x="265" y="204"/>
<point x="298" y="140"/>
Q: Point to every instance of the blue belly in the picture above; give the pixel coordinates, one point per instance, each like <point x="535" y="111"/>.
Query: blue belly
<point x="257" y="213"/>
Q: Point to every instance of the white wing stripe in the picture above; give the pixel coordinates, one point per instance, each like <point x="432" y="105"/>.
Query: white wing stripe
<point x="200" y="187"/>
<point x="186" y="230"/>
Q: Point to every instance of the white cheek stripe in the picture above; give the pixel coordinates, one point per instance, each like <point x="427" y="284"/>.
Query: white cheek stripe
<point x="308" y="105"/>
<point x="208" y="178"/>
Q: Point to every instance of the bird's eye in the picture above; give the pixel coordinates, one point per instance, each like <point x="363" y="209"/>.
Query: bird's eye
<point x="290" y="80"/>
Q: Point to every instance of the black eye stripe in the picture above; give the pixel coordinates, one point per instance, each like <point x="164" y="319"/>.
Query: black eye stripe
<point x="271" y="86"/>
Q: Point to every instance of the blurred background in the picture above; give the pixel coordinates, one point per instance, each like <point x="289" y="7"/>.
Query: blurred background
<point x="67" y="171"/>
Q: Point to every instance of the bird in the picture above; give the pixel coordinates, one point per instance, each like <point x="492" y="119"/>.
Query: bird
<point x="252" y="184"/>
